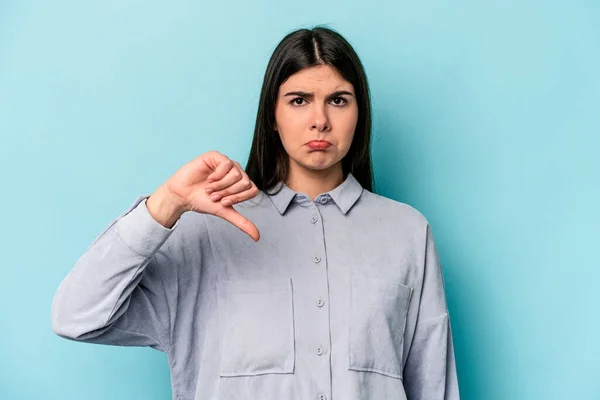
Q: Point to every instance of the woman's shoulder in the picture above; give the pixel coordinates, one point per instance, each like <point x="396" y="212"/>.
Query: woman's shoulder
<point x="393" y="209"/>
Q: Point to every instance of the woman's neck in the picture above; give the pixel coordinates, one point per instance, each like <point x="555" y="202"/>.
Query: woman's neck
<point x="313" y="182"/>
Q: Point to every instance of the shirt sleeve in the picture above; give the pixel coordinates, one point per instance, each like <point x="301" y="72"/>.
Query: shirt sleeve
<point x="117" y="292"/>
<point x="430" y="370"/>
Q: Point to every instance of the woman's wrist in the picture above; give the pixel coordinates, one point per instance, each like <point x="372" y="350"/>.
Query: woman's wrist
<point x="164" y="208"/>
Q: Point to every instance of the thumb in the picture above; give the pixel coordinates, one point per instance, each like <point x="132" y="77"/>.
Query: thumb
<point x="231" y="215"/>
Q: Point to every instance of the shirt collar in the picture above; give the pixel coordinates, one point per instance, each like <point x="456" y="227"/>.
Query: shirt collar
<point x="344" y="195"/>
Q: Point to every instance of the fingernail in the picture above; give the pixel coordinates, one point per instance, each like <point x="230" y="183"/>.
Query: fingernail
<point x="226" y="202"/>
<point x="209" y="190"/>
<point x="215" y="197"/>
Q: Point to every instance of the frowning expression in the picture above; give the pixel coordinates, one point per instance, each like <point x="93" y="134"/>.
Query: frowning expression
<point x="315" y="115"/>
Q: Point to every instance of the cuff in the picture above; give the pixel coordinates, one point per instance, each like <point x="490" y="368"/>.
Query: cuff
<point x="140" y="231"/>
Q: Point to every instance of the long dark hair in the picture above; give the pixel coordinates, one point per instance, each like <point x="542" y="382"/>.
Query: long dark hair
<point x="304" y="48"/>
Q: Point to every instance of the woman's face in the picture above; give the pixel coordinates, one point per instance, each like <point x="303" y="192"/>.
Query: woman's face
<point x="316" y="104"/>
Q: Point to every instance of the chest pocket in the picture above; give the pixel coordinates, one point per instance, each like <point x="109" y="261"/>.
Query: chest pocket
<point x="378" y="310"/>
<point x="256" y="323"/>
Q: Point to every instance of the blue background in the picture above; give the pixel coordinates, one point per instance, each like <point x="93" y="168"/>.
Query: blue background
<point x="486" y="119"/>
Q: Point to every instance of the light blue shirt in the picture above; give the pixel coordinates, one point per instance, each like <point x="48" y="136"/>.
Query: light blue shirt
<point x="341" y="299"/>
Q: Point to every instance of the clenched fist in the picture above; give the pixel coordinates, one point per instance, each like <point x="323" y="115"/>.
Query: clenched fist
<point x="210" y="184"/>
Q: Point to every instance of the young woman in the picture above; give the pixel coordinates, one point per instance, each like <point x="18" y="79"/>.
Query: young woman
<point x="341" y="298"/>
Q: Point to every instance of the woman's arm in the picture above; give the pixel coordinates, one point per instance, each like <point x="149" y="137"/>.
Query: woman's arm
<point x="124" y="289"/>
<point x="118" y="292"/>
<point x="430" y="371"/>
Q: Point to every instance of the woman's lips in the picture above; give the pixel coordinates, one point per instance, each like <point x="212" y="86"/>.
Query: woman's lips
<point x="318" y="144"/>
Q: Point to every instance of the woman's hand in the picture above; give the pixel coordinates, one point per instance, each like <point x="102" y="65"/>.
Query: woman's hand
<point x="209" y="184"/>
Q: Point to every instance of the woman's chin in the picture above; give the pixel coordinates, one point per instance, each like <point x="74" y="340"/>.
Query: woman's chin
<point x="319" y="165"/>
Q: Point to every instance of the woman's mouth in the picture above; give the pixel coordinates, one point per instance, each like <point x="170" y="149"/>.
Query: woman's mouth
<point x="318" y="144"/>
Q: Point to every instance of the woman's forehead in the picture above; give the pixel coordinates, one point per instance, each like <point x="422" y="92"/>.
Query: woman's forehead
<point x="321" y="77"/>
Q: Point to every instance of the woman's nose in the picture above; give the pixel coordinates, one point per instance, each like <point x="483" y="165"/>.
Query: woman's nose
<point x="320" y="121"/>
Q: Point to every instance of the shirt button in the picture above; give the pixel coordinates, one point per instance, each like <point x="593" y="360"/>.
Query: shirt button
<point x="317" y="259"/>
<point x="323" y="200"/>
<point x="314" y="219"/>
<point x="320" y="303"/>
<point x="321" y="397"/>
<point x="320" y="351"/>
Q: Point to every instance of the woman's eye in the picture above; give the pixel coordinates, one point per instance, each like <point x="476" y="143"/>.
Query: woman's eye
<point x="298" y="101"/>
<point x="339" y="101"/>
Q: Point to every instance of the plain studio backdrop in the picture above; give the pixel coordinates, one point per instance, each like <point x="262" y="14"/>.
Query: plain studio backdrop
<point x="486" y="119"/>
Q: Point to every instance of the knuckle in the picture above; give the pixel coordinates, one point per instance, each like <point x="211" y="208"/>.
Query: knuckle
<point x="214" y="154"/>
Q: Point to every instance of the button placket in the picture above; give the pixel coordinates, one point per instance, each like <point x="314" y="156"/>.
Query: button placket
<point x="321" y="334"/>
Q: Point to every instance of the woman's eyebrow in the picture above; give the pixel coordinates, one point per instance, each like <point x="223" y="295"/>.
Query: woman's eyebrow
<point x="307" y="94"/>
